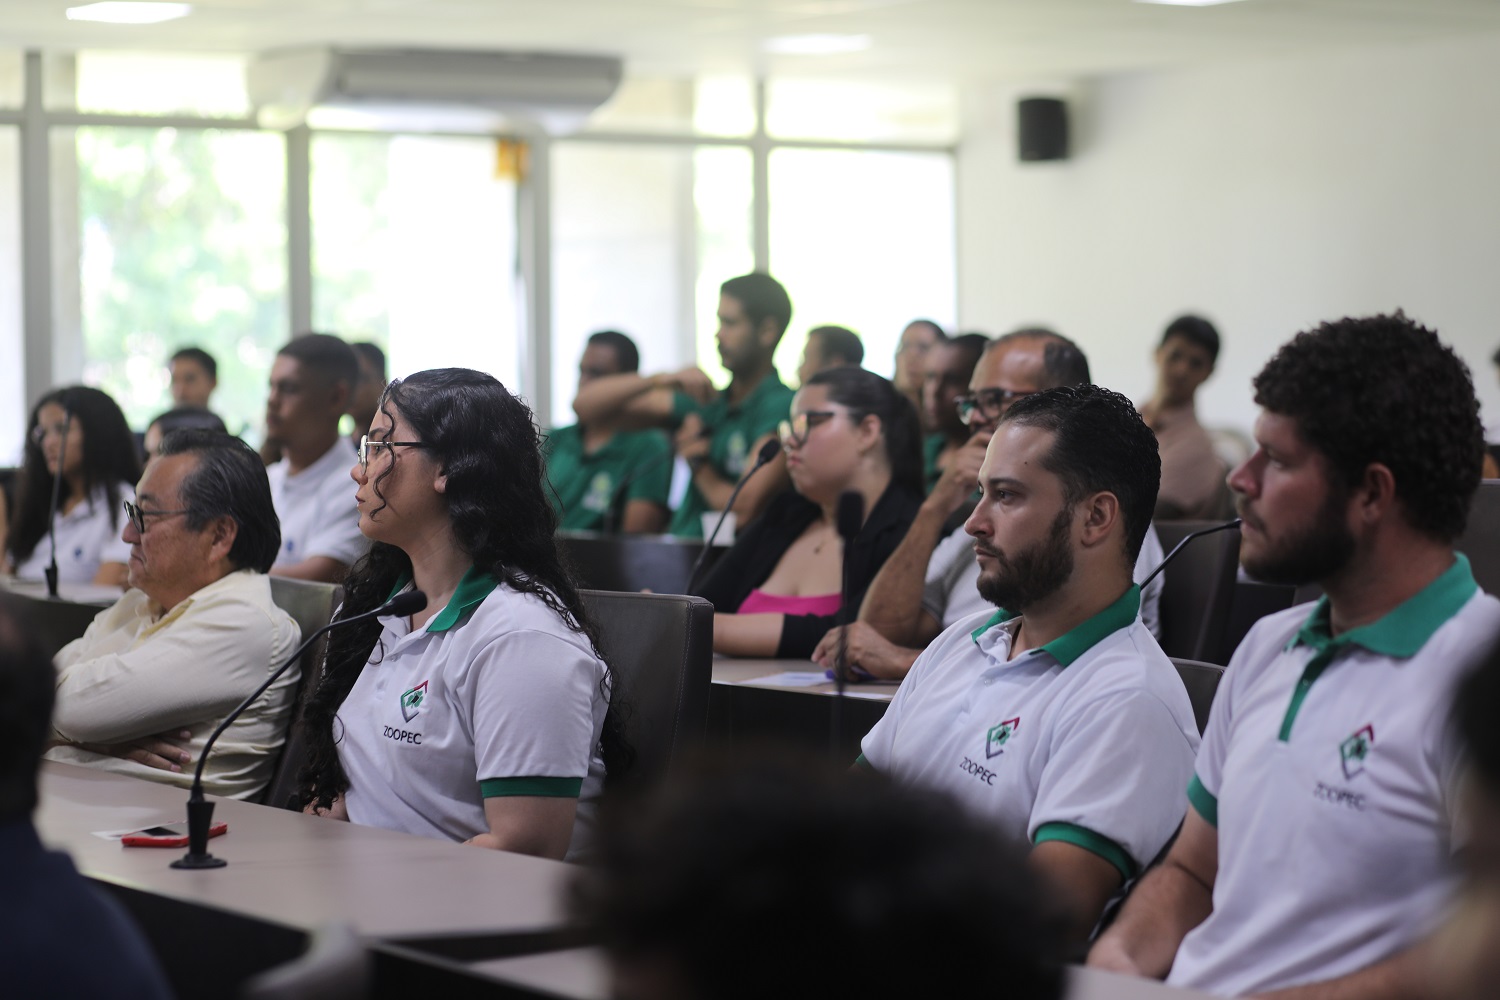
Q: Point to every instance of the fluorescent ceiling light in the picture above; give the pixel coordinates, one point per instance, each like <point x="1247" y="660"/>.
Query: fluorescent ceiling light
<point x="1188" y="3"/>
<point x="120" y="12"/>
<point x="816" y="45"/>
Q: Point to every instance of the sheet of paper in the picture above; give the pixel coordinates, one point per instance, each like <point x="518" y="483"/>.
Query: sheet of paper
<point x="791" y="679"/>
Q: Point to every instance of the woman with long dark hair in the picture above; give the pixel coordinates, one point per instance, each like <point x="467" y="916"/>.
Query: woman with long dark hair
<point x="486" y="717"/>
<point x="79" y="436"/>
<point x="777" y="591"/>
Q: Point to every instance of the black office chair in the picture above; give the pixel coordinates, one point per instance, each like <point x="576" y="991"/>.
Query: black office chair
<point x="660" y="648"/>
<point x="1198" y="590"/>
<point x="658" y="563"/>
<point x="1481" y="539"/>
<point x="1201" y="681"/>
<point x="311" y="605"/>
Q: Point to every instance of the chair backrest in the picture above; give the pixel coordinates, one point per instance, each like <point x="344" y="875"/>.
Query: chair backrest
<point x="1252" y="601"/>
<point x="1481" y="539"/>
<point x="660" y="648"/>
<point x="1198" y="590"/>
<point x="1201" y="681"/>
<point x="311" y="606"/>
<point x="658" y="563"/>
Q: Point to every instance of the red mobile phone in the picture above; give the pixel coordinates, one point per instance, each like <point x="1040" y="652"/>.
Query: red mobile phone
<point x="168" y="836"/>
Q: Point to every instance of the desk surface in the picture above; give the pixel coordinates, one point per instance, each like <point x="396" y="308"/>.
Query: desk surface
<point x="583" y="974"/>
<point x="300" y="871"/>
<point x="751" y="673"/>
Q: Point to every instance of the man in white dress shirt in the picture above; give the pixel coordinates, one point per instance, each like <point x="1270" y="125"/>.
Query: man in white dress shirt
<point x="154" y="675"/>
<point x="311" y="381"/>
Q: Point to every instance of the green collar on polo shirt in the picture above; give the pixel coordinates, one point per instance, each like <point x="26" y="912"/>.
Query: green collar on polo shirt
<point x="1405" y="628"/>
<point x="1083" y="637"/>
<point x="1400" y="632"/>
<point x="472" y="589"/>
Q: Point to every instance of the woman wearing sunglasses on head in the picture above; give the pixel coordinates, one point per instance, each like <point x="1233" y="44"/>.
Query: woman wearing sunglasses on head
<point x="80" y="447"/>
<point x="485" y="717"/>
<point x="777" y="590"/>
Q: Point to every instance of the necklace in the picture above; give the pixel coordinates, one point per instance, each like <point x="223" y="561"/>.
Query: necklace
<point x="827" y="537"/>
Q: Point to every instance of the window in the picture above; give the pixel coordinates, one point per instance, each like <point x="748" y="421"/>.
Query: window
<point x="642" y="237"/>
<point x="863" y="240"/>
<point x="709" y="105"/>
<point x="12" y="387"/>
<point x="414" y="248"/>
<point x="149" y="83"/>
<point x="855" y="111"/>
<point x="179" y="237"/>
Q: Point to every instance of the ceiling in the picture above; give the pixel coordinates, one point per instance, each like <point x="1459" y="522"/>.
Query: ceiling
<point x="947" y="40"/>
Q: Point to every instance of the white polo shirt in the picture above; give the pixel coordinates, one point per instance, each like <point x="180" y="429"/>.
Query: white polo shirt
<point x="87" y="536"/>
<point x="1328" y="770"/>
<point x="952" y="590"/>
<point x="316" y="507"/>
<point x="495" y="697"/>
<point x="1080" y="740"/>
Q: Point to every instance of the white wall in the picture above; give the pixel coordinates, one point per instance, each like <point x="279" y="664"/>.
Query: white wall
<point x="1268" y="196"/>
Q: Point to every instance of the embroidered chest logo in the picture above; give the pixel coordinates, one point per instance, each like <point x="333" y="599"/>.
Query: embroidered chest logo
<point x="411" y="701"/>
<point x="1354" y="750"/>
<point x="999" y="735"/>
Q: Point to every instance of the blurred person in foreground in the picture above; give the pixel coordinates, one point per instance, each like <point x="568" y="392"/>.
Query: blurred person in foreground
<point x="781" y="877"/>
<point x="60" y="936"/>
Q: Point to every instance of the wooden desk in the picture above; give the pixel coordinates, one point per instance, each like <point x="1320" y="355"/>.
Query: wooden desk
<point x="743" y="707"/>
<point x="287" y="875"/>
<point x="583" y="974"/>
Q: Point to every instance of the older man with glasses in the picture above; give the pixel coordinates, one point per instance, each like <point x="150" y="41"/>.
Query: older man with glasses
<point x="930" y="581"/>
<point x="142" y="689"/>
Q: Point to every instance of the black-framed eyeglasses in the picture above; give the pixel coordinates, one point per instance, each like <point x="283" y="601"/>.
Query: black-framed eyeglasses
<point x="366" y="446"/>
<point x="988" y="403"/>
<point x="793" y="433"/>
<point x="138" y="515"/>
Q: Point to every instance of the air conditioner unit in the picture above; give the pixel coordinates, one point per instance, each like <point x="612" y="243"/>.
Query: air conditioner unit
<point x="433" y="90"/>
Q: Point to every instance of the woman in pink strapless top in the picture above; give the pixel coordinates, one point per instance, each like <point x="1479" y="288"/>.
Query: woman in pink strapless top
<point x="778" y="589"/>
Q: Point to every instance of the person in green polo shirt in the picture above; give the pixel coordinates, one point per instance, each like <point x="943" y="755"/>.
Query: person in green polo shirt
<point x="605" y="478"/>
<point x="949" y="366"/>
<point x="718" y="432"/>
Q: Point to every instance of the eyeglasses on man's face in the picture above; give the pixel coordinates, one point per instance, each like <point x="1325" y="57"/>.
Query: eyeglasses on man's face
<point x="367" y="449"/>
<point x="793" y="433"/>
<point x="138" y="515"/>
<point x="989" y="404"/>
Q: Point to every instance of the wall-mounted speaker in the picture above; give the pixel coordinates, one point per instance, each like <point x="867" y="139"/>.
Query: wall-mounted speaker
<point x="1042" y="132"/>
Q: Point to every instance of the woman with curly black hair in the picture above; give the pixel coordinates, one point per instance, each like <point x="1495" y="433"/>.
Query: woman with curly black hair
<point x="79" y="444"/>
<point x="486" y="717"/>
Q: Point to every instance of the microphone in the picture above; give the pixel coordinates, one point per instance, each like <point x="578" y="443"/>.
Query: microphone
<point x="50" y="570"/>
<point x="1226" y="526"/>
<point x="768" y="451"/>
<point x="200" y="811"/>
<point x="614" y="514"/>
<point x="849" y="518"/>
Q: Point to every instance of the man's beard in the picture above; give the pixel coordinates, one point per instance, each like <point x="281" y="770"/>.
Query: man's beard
<point x="1305" y="554"/>
<point x="1033" y="574"/>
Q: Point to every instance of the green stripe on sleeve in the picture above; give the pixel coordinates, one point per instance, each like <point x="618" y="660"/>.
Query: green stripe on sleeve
<point x="1204" y="801"/>
<point x="546" y="788"/>
<point x="1090" y="841"/>
<point x="861" y="762"/>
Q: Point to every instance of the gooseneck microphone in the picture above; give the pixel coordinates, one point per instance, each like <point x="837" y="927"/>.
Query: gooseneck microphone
<point x="50" y="571"/>
<point x="1227" y="525"/>
<point x="768" y="451"/>
<point x="849" y="518"/>
<point x="200" y="811"/>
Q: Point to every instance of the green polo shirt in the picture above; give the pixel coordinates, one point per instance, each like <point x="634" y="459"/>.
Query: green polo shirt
<point x="931" y="449"/>
<point x="583" y="484"/>
<point x="735" y="431"/>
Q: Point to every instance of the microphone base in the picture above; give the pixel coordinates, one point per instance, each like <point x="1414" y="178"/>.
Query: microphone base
<point x="191" y="860"/>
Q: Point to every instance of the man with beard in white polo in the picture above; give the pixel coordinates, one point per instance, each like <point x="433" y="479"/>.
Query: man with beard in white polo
<point x="1316" y="858"/>
<point x="1059" y="717"/>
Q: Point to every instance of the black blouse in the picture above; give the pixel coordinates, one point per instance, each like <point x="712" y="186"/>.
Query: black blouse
<point x="760" y="547"/>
